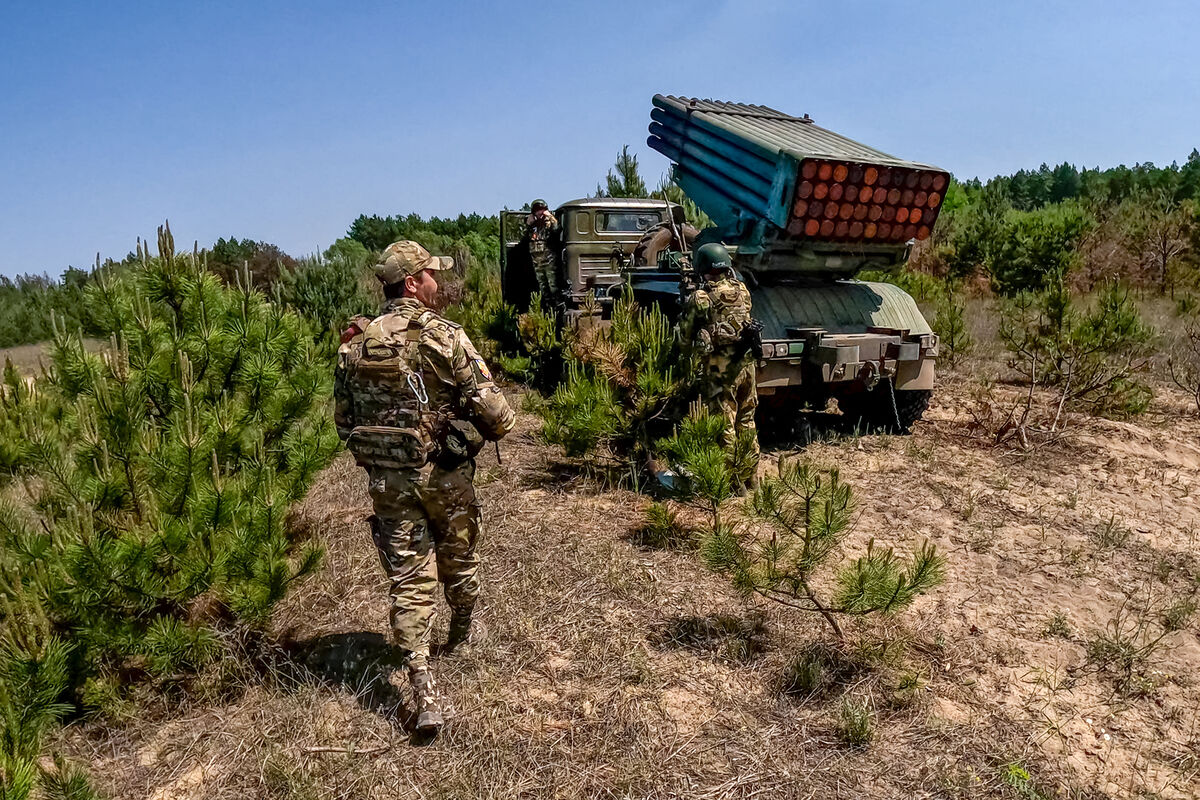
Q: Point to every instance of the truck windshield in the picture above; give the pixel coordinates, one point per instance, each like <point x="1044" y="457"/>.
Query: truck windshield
<point x="626" y="221"/>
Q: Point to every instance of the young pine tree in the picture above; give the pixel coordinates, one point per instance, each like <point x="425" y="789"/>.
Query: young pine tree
<point x="622" y="386"/>
<point x="792" y="528"/>
<point x="160" y="472"/>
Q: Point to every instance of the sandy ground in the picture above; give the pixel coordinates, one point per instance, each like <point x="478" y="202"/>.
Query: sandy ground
<point x="607" y="669"/>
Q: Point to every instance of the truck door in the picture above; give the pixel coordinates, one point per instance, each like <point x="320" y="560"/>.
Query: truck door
<point x="517" y="281"/>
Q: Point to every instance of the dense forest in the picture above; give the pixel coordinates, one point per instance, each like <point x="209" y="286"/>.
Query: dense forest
<point x="1139" y="226"/>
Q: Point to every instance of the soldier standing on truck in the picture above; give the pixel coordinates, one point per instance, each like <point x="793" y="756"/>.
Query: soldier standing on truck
<point x="540" y="226"/>
<point x="716" y="326"/>
<point x="673" y="234"/>
<point x="414" y="403"/>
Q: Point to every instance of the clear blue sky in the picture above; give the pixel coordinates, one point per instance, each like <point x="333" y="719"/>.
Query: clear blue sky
<point x="283" y="121"/>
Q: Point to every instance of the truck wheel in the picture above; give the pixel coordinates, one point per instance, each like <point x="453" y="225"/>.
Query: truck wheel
<point x="873" y="410"/>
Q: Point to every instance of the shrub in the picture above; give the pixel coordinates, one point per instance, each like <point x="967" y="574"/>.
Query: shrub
<point x="949" y="322"/>
<point x="621" y="391"/>
<point x="328" y="291"/>
<point x="806" y="512"/>
<point x="162" y="471"/>
<point x="1037" y="247"/>
<point x="1091" y="357"/>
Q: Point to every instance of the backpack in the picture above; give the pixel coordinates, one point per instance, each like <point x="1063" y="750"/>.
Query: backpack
<point x="388" y="399"/>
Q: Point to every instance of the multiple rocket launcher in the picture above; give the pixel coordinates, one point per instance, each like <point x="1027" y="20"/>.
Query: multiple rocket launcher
<point x="746" y="164"/>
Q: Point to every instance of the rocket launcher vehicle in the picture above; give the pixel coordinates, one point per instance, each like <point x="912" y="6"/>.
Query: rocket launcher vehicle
<point x="794" y="193"/>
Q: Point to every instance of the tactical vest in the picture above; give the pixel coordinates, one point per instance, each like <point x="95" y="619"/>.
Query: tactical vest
<point x="730" y="312"/>
<point x="394" y="425"/>
<point x="539" y="237"/>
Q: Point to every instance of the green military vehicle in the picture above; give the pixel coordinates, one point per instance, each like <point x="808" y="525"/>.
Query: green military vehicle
<point x="803" y="210"/>
<point x="593" y="246"/>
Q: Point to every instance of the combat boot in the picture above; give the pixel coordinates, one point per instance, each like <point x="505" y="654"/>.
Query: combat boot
<point x="429" y="708"/>
<point x="460" y="630"/>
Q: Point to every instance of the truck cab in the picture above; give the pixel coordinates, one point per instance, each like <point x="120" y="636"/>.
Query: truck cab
<point x="595" y="240"/>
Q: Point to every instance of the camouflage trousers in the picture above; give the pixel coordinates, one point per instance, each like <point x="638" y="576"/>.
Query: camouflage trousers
<point x="736" y="400"/>
<point x="546" y="271"/>
<point x="426" y="531"/>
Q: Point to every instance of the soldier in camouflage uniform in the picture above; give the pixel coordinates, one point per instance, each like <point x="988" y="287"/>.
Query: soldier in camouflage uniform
<point x="414" y="402"/>
<point x="716" y="325"/>
<point x="540" y="227"/>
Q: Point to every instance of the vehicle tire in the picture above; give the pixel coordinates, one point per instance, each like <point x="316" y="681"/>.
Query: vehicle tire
<point x="872" y="411"/>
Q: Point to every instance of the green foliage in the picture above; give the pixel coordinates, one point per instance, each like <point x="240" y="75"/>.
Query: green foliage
<point x="583" y="414"/>
<point x="1090" y="355"/>
<point x="856" y="722"/>
<point x="29" y="302"/>
<point x="230" y="259"/>
<point x="807" y="513"/>
<point x="950" y="322"/>
<point x="34" y="677"/>
<point x="697" y="452"/>
<point x="669" y="190"/>
<point x="1183" y="363"/>
<point x="1037" y="247"/>
<point x="624" y="179"/>
<point x="664" y="529"/>
<point x="328" y="291"/>
<point x="161" y="472"/>
<point x="923" y="287"/>
<point x="621" y="390"/>
<point x="474" y="234"/>
<point x="66" y="782"/>
<point x="1017" y="775"/>
<point x="21" y="407"/>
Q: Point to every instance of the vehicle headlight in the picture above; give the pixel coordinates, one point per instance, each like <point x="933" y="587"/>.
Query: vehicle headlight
<point x="781" y="349"/>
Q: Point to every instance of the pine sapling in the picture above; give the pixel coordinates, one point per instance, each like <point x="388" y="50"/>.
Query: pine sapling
<point x="807" y="513"/>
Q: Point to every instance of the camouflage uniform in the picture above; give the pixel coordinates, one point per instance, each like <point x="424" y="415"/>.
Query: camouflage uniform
<point x="404" y="389"/>
<point x="541" y="255"/>
<point x="711" y="326"/>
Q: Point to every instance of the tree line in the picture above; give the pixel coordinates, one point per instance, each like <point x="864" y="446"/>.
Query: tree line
<point x="1138" y="225"/>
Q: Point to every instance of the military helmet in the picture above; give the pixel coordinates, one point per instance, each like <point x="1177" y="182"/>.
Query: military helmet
<point x="539" y="203"/>
<point x="711" y="257"/>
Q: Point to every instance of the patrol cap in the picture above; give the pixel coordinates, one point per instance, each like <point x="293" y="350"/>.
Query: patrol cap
<point x="405" y="258"/>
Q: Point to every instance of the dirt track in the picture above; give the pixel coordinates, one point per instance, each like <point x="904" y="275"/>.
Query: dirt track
<point x="607" y="669"/>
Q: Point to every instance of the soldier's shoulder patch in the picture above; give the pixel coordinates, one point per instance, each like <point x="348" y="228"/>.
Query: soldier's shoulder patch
<point x="481" y="370"/>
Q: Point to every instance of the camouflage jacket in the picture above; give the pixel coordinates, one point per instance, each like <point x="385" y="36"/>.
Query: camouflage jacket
<point x="402" y="381"/>
<point x="539" y="236"/>
<point x="713" y="324"/>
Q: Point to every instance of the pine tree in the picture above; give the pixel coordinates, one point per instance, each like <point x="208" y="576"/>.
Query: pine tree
<point x="624" y="179"/>
<point x="161" y="470"/>
<point x="622" y="389"/>
<point x="806" y="512"/>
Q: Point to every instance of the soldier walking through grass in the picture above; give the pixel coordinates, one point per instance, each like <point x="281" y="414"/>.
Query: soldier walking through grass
<point x="717" y="327"/>
<point x="414" y="404"/>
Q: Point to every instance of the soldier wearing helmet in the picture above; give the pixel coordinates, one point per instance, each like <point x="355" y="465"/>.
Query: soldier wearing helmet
<point x="414" y="403"/>
<point x="540" y="229"/>
<point x="716" y="326"/>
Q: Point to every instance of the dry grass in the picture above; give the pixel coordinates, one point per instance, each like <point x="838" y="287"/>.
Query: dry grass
<point x="608" y="669"/>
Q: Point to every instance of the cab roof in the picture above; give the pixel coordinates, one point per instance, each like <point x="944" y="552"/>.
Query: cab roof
<point x="615" y="202"/>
